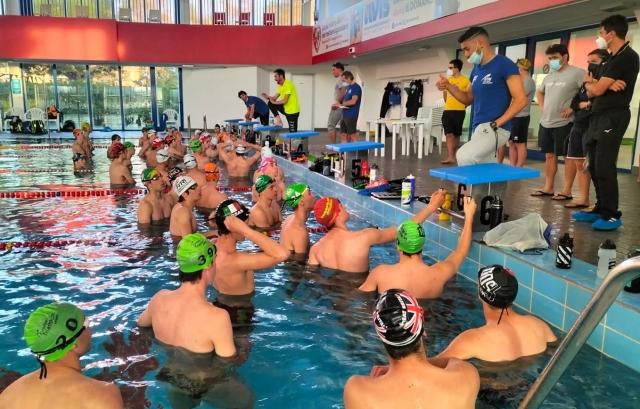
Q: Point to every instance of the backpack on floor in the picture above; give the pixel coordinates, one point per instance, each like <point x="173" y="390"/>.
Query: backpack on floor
<point x="16" y="124"/>
<point x="37" y="127"/>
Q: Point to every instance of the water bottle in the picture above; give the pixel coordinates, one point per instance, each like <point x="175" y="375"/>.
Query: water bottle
<point x="364" y="171"/>
<point x="633" y="286"/>
<point x="495" y="212"/>
<point x="326" y="166"/>
<point x="606" y="258"/>
<point x="446" y="205"/>
<point x="412" y="180"/>
<point x="565" y="251"/>
<point x="405" y="193"/>
<point x="373" y="173"/>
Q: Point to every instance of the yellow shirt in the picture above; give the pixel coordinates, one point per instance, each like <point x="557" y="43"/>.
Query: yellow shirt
<point x="452" y="104"/>
<point x="287" y="88"/>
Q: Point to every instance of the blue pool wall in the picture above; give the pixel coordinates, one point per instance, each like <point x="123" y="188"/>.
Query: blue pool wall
<point x="553" y="294"/>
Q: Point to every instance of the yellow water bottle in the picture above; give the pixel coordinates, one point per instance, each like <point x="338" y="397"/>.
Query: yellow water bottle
<point x="445" y="217"/>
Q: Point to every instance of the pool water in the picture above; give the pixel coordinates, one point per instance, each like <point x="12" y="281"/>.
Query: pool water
<point x="309" y="332"/>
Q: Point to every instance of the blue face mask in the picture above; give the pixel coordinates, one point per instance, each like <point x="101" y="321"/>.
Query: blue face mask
<point x="555" y="65"/>
<point x="475" y="58"/>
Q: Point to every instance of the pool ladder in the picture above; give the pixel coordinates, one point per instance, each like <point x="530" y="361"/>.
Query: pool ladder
<point x="587" y="321"/>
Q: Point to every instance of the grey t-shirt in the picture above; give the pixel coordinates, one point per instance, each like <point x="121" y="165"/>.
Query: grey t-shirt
<point x="336" y="92"/>
<point x="529" y="89"/>
<point x="558" y="88"/>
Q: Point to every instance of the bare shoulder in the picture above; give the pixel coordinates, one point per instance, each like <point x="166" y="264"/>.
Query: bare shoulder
<point x="103" y="395"/>
<point x="355" y="393"/>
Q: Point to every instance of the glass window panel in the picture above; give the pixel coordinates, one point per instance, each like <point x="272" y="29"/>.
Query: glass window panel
<point x="166" y="8"/>
<point x="514" y="52"/>
<point x="57" y="7"/>
<point x="136" y="96"/>
<point x="39" y="85"/>
<point x="5" y="88"/>
<point x="73" y="5"/>
<point x="167" y="89"/>
<point x="105" y="96"/>
<point x="105" y="9"/>
<point x="72" y="92"/>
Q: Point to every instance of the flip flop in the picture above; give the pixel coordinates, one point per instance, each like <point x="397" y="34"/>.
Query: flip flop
<point x="541" y="193"/>
<point x="561" y="197"/>
<point x="576" y="206"/>
<point x="447" y="162"/>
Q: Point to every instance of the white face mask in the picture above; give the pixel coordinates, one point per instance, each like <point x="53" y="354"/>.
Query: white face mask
<point x="449" y="72"/>
<point x="601" y="43"/>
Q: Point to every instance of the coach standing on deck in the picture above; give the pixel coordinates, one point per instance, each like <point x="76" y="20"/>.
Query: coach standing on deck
<point x="284" y="101"/>
<point x="335" y="115"/>
<point x="610" y="117"/>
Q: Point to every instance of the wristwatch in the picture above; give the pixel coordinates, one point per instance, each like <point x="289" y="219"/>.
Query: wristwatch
<point x="494" y="125"/>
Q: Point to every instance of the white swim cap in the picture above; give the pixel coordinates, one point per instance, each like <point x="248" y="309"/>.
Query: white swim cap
<point x="182" y="184"/>
<point x="163" y="155"/>
<point x="190" y="161"/>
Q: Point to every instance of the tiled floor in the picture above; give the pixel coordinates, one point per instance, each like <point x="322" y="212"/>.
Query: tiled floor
<point x="519" y="203"/>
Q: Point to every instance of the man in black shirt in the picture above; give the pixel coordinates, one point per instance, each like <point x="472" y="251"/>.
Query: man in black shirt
<point x="610" y="117"/>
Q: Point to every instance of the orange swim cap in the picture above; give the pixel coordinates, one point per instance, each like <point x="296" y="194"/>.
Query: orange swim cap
<point x="326" y="211"/>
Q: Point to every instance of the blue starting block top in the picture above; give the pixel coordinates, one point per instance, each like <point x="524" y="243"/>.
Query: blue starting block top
<point x="265" y="128"/>
<point x="354" y="146"/>
<point x="247" y="123"/>
<point x="233" y="121"/>
<point x="299" y="134"/>
<point x="483" y="173"/>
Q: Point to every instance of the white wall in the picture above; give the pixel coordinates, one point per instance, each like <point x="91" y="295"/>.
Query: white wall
<point x="214" y="92"/>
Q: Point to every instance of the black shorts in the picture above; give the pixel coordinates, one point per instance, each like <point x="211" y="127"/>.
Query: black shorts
<point x="576" y="143"/>
<point x="264" y="118"/>
<point x="452" y="122"/>
<point x="519" y="129"/>
<point x="349" y="125"/>
<point x="554" y="140"/>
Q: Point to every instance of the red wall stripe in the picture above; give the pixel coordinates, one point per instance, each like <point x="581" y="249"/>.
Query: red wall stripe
<point x="109" y="41"/>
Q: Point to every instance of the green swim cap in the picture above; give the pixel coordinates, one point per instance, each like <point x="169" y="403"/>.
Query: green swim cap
<point x="195" y="145"/>
<point x="195" y="253"/>
<point x="128" y="145"/>
<point x="52" y="331"/>
<point x="293" y="194"/>
<point x="263" y="182"/>
<point x="149" y="173"/>
<point x="410" y="237"/>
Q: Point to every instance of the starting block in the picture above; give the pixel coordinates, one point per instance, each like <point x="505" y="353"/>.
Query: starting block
<point x="259" y="129"/>
<point x="233" y="123"/>
<point x="303" y="136"/>
<point x="342" y="167"/>
<point x="483" y="174"/>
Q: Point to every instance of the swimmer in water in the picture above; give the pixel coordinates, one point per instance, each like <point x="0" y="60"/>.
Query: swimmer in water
<point x="154" y="208"/>
<point x="191" y="169"/>
<point x="269" y="166"/>
<point x="80" y="160"/>
<point x="295" y="235"/>
<point x="150" y="155"/>
<point x="209" y="146"/>
<point x="115" y="138"/>
<point x="266" y="213"/>
<point x="236" y="269"/>
<point x="410" y="380"/>
<point x="177" y="149"/>
<point x="119" y="172"/>
<point x="145" y="142"/>
<point x="236" y="161"/>
<point x="198" y="148"/>
<point x="58" y="335"/>
<point x="184" y="317"/>
<point x="162" y="160"/>
<point x="210" y="197"/>
<point x="131" y="150"/>
<point x="411" y="273"/>
<point x="331" y="251"/>
<point x="183" y="221"/>
<point x="506" y="335"/>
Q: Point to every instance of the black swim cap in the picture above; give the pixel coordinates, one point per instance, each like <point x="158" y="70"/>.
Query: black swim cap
<point x="497" y="286"/>
<point x="398" y="318"/>
<point x="230" y="207"/>
<point x="174" y="173"/>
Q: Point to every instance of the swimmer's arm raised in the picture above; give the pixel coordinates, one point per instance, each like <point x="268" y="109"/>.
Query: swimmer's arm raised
<point x="437" y="199"/>
<point x="253" y="159"/>
<point x="273" y="254"/>
<point x="452" y="263"/>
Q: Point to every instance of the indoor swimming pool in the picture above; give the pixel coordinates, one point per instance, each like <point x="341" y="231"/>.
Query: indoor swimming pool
<point x="303" y="334"/>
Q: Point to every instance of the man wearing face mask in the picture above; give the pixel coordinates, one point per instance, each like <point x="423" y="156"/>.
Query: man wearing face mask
<point x="609" y="120"/>
<point x="454" y="110"/>
<point x="496" y="92"/>
<point x="554" y="97"/>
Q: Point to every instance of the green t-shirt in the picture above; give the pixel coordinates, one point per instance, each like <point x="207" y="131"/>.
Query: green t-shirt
<point x="287" y="88"/>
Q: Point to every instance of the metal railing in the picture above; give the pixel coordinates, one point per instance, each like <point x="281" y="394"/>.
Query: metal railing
<point x="597" y="307"/>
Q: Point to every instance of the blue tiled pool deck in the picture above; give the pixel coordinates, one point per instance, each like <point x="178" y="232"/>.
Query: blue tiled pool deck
<point x="553" y="294"/>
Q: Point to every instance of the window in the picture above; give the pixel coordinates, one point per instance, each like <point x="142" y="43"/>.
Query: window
<point x="56" y="8"/>
<point x="167" y="89"/>
<point x="105" y="97"/>
<point x="72" y="92"/>
<point x="136" y="96"/>
<point x="38" y="83"/>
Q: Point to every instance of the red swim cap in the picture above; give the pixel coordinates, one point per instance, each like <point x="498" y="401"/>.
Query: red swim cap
<point x="327" y="210"/>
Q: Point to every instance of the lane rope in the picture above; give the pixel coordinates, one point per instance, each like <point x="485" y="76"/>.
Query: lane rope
<point x="49" y="146"/>
<point x="52" y="170"/>
<point x="36" y="194"/>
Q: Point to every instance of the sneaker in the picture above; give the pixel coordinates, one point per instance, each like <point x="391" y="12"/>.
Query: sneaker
<point x="607" y="224"/>
<point x="587" y="217"/>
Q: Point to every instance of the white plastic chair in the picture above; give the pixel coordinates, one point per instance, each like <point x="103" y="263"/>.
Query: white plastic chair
<point x="36" y="114"/>
<point x="435" y="130"/>
<point x="15" y="111"/>
<point x="154" y="16"/>
<point x="172" y="117"/>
